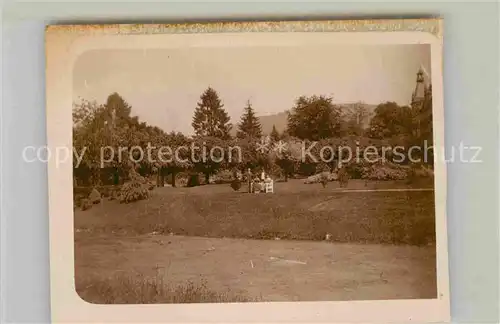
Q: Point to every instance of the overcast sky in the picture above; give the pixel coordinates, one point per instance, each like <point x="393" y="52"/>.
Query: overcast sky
<point x="164" y="85"/>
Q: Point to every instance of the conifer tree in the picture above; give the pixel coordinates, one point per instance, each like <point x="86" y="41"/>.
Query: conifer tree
<point x="275" y="135"/>
<point x="249" y="125"/>
<point x="210" y="118"/>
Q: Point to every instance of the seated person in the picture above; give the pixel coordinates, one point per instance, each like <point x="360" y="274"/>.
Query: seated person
<point x="257" y="185"/>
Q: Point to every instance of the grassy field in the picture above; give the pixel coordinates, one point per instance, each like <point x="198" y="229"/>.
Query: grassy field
<point x="136" y="288"/>
<point x="191" y="245"/>
<point x="170" y="269"/>
<point x="295" y="211"/>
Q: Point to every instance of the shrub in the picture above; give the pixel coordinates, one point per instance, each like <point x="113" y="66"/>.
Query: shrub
<point x="136" y="177"/>
<point x="181" y="179"/>
<point x="420" y="171"/>
<point x="77" y="199"/>
<point x="181" y="182"/>
<point x="105" y="193"/>
<point x="322" y="167"/>
<point x="80" y="193"/>
<point x="95" y="196"/>
<point x="320" y="178"/>
<point x="193" y="180"/>
<point x="325" y="177"/>
<point x="357" y="170"/>
<point x="224" y="176"/>
<point x="236" y="184"/>
<point x="133" y="191"/>
<point x="420" y="175"/>
<point x="114" y="195"/>
<point x="85" y="204"/>
<point x="386" y="171"/>
<point x="324" y="182"/>
<point x="276" y="172"/>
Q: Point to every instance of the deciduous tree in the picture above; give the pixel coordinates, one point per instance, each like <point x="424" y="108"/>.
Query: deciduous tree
<point x="390" y="120"/>
<point x="314" y="118"/>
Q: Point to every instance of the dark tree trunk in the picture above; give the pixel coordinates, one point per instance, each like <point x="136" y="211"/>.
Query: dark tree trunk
<point x="207" y="177"/>
<point x="160" y="182"/>
<point x="94" y="177"/>
<point x="116" y="177"/>
<point x="173" y="177"/>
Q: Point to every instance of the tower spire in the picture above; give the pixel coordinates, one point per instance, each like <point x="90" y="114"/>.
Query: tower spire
<point x="419" y="92"/>
<point x="418" y="98"/>
<point x="425" y="73"/>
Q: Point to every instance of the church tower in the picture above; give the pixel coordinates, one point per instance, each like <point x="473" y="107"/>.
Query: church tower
<point x="417" y="101"/>
<point x="418" y="96"/>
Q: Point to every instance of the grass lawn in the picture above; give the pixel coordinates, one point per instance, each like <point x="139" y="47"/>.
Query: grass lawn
<point x="186" y="245"/>
<point x="177" y="269"/>
<point x="295" y="211"/>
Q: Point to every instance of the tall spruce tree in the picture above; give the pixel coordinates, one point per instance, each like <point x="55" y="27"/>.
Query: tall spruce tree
<point x="210" y="118"/>
<point x="275" y="135"/>
<point x="249" y="125"/>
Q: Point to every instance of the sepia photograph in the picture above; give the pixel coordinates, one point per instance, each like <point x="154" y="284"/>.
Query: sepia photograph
<point x="224" y="168"/>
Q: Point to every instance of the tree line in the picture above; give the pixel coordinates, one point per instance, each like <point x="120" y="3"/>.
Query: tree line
<point x="311" y="119"/>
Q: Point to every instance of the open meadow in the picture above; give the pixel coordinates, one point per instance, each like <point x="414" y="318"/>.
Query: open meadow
<point x="304" y="242"/>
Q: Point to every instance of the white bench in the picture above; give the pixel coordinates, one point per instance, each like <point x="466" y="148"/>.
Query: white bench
<point x="269" y="187"/>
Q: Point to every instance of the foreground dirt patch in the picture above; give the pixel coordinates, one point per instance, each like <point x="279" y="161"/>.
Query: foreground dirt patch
<point x="266" y="270"/>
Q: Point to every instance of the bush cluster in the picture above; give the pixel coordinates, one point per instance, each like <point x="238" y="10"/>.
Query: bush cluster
<point x="136" y="189"/>
<point x="385" y="171"/>
<point x="375" y="171"/>
<point x="95" y="196"/>
<point x="133" y="191"/>
<point x="321" y="177"/>
<point x="236" y="184"/>
<point x="193" y="180"/>
<point x="223" y="176"/>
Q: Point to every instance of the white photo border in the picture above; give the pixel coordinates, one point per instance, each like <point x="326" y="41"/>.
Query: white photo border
<point x="63" y="46"/>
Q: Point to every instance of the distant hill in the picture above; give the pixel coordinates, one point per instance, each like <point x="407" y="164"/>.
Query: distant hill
<point x="280" y="119"/>
<point x="267" y="122"/>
